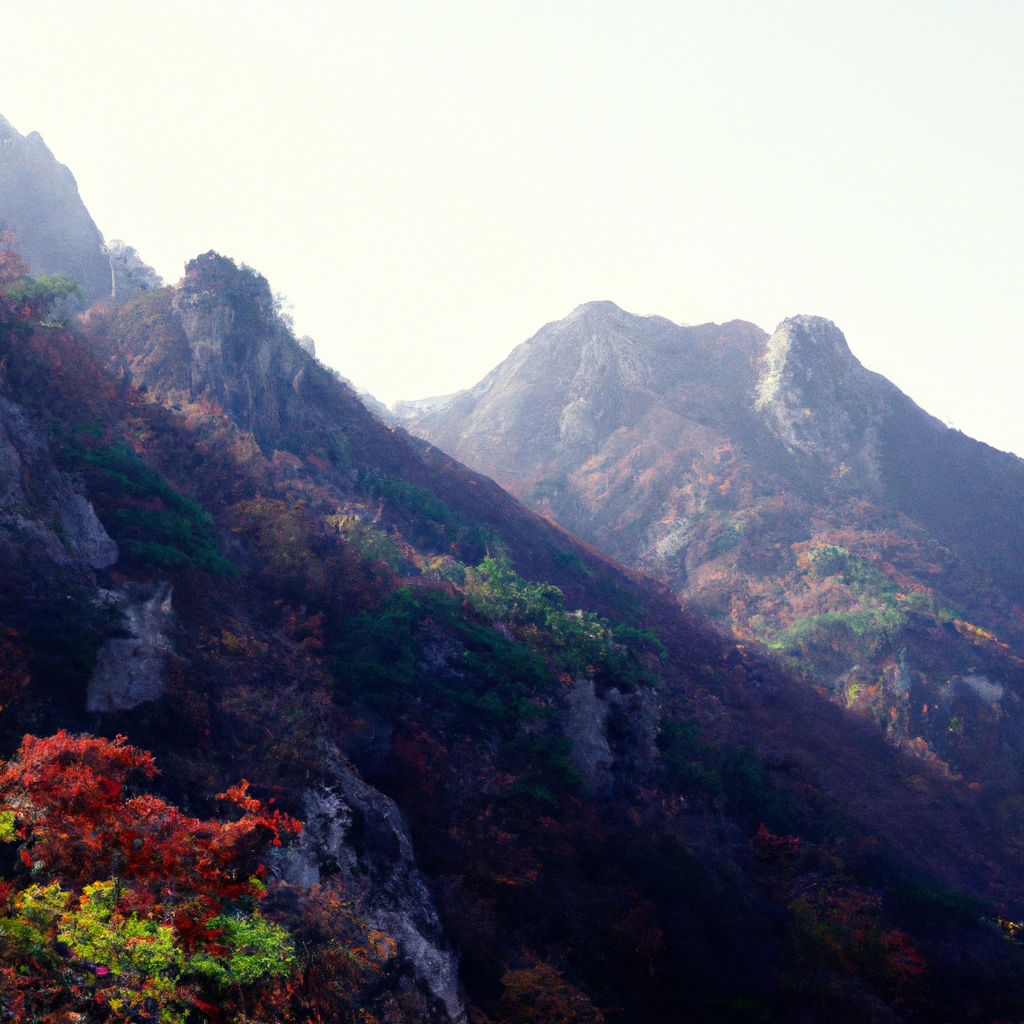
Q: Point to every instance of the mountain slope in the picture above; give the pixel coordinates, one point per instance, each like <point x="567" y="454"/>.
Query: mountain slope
<point x="801" y="500"/>
<point x="584" y="795"/>
<point x="600" y="418"/>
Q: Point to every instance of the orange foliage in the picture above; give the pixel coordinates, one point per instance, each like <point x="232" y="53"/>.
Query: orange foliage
<point x="344" y="959"/>
<point x="540" y="995"/>
<point x="839" y="929"/>
<point x="12" y="266"/>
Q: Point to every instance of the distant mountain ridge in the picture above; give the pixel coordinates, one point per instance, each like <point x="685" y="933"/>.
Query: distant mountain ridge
<point x="534" y="784"/>
<point x="798" y="498"/>
<point x="39" y="202"/>
<point x="551" y="421"/>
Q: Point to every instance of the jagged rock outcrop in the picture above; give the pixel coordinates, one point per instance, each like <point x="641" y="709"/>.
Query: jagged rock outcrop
<point x="130" y="273"/>
<point x="216" y="341"/>
<point x="40" y="204"/>
<point x="49" y="533"/>
<point x="238" y="348"/>
<point x="823" y="404"/>
<point x="129" y="670"/>
<point x="355" y="831"/>
<point x="613" y="737"/>
<point x="585" y="728"/>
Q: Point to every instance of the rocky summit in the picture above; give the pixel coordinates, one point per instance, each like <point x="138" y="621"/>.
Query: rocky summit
<point x="304" y="719"/>
<point x="40" y="204"/>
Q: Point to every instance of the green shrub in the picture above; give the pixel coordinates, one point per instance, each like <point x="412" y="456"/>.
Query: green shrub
<point x="155" y="527"/>
<point x="428" y="520"/>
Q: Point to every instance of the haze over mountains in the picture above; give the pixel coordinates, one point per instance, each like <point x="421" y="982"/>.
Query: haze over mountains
<point x="40" y="205"/>
<point x="534" y="784"/>
<point x="801" y="500"/>
<point x="600" y="418"/>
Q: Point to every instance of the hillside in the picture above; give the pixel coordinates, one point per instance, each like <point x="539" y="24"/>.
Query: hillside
<point x="531" y="782"/>
<point x="802" y="501"/>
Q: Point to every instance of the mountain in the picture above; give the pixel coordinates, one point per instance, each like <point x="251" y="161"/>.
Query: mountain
<point x="533" y="785"/>
<point x="54" y="232"/>
<point x="803" y="502"/>
<point x="600" y="419"/>
<point x="40" y="204"/>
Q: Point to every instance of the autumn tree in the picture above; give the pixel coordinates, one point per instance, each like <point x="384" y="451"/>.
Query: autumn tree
<point x="123" y="907"/>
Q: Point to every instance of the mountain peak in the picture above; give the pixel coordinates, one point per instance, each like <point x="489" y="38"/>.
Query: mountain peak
<point x="598" y="306"/>
<point x="822" y="403"/>
<point x="40" y="204"/>
<point x="803" y="347"/>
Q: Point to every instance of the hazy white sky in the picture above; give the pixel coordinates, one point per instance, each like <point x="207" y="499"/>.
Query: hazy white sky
<point x="430" y="182"/>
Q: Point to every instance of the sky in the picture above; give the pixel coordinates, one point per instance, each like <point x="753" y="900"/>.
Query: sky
<point x="428" y="183"/>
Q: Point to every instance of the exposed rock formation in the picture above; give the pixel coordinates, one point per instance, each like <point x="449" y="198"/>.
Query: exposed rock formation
<point x="353" y="830"/>
<point x="585" y="728"/>
<point x="591" y="723"/>
<point x="129" y="670"/>
<point x="130" y="274"/>
<point x="39" y="202"/>
<point x="48" y="529"/>
<point x="823" y="405"/>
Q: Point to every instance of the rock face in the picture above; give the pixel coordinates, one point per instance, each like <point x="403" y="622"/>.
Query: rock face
<point x="353" y="830"/>
<point x="39" y="202"/>
<point x="823" y="405"/>
<point x="236" y="342"/>
<point x="585" y="728"/>
<point x="49" y="533"/>
<point x="130" y="274"/>
<point x="613" y="737"/>
<point x="129" y="670"/>
<point x="217" y="340"/>
<point x="849" y="432"/>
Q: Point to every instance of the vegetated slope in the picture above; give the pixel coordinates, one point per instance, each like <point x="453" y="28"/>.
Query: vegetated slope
<point x="802" y="501"/>
<point x="616" y="813"/>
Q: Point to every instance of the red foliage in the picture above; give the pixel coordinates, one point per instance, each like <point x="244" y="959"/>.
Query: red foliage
<point x="67" y="794"/>
<point x="778" y="852"/>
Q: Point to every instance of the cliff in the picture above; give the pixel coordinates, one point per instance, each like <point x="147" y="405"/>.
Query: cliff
<point x="40" y="204"/>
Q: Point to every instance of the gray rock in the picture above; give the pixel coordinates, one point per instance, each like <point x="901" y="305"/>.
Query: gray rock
<point x="821" y="402"/>
<point x="130" y="275"/>
<point x="129" y="670"/>
<point x="48" y="529"/>
<point x="355" y="831"/>
<point x="634" y="718"/>
<point x="39" y="202"/>
<point x="584" y="727"/>
<point x="405" y="410"/>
